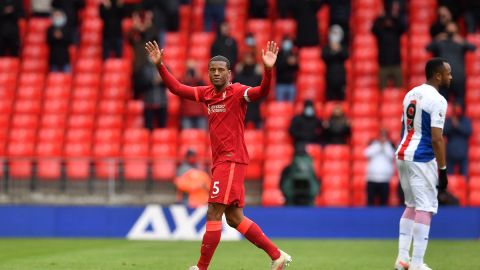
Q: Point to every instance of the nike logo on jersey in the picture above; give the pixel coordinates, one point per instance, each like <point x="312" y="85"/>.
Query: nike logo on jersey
<point x="213" y="197"/>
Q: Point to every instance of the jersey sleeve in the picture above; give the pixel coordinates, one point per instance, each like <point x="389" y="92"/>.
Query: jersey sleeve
<point x="256" y="93"/>
<point x="438" y="111"/>
<point x="179" y="89"/>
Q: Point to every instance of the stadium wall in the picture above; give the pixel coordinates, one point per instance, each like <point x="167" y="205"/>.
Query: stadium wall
<point x="177" y="222"/>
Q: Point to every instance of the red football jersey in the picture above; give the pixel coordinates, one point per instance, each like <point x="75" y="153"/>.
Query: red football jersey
<point x="226" y="113"/>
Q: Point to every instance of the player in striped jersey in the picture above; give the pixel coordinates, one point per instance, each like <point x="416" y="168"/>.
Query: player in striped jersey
<point x="421" y="162"/>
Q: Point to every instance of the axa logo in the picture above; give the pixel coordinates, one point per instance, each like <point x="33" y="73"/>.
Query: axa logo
<point x="176" y="222"/>
<point x="220" y="108"/>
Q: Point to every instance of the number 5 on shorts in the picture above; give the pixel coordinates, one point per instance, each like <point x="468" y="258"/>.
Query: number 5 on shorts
<point x="216" y="189"/>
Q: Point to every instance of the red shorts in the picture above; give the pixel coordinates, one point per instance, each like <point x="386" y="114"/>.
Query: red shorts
<point x="227" y="186"/>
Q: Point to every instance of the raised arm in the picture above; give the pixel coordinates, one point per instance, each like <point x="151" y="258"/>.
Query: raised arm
<point x="177" y="88"/>
<point x="269" y="57"/>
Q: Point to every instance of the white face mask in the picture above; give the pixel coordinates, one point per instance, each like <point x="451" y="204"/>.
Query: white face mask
<point x="335" y="34"/>
<point x="309" y="111"/>
<point x="59" y="21"/>
<point x="287" y="45"/>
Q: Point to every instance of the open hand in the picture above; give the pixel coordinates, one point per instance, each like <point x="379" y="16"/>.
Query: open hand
<point x="269" y="55"/>
<point x="154" y="52"/>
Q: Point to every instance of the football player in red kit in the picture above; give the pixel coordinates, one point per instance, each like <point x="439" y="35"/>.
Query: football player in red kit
<point x="227" y="105"/>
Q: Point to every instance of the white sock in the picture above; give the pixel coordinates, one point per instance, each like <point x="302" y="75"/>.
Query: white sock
<point x="420" y="242"/>
<point x="405" y="237"/>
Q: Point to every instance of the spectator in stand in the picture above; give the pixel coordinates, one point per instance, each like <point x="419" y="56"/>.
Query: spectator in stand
<point x="258" y="9"/>
<point x="337" y="128"/>
<point x="458" y="129"/>
<point x="305" y="14"/>
<point x="453" y="48"/>
<point x="111" y="12"/>
<point x="438" y="30"/>
<point x="380" y="154"/>
<point x="142" y="31"/>
<point x="472" y="15"/>
<point x="298" y="181"/>
<point x="248" y="72"/>
<point x="192" y="113"/>
<point x="10" y="12"/>
<point x="59" y="39"/>
<point x="456" y="7"/>
<point x="224" y="44"/>
<point x="213" y="14"/>
<point x="306" y="128"/>
<point x="41" y="8"/>
<point x="284" y="8"/>
<point x="250" y="44"/>
<point x="71" y="8"/>
<point x="334" y="55"/>
<point x="340" y="15"/>
<point x="287" y="67"/>
<point x="154" y="96"/>
<point x="388" y="29"/>
<point x="192" y="182"/>
<point x="165" y="16"/>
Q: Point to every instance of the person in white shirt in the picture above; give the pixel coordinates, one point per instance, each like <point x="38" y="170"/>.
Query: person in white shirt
<point x="380" y="154"/>
<point x="421" y="162"/>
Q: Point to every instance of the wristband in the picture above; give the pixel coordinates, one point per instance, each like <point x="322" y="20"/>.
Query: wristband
<point x="443" y="168"/>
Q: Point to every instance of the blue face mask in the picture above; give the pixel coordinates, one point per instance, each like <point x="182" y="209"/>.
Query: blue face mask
<point x="287" y="45"/>
<point x="250" y="41"/>
<point x="309" y="111"/>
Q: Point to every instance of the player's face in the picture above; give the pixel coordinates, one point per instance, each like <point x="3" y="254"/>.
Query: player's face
<point x="218" y="73"/>
<point x="446" y="75"/>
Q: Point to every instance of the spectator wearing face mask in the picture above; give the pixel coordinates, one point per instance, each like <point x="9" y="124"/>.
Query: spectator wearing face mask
<point x="334" y="55"/>
<point x="248" y="72"/>
<point x="59" y="39"/>
<point x="10" y="12"/>
<point x="224" y="44"/>
<point x="287" y="67"/>
<point x="453" y="49"/>
<point x="337" y="128"/>
<point x="250" y="44"/>
<point x="380" y="154"/>
<point x="306" y="128"/>
<point x="458" y="130"/>
<point x="388" y="30"/>
<point x="305" y="14"/>
<point x="71" y="8"/>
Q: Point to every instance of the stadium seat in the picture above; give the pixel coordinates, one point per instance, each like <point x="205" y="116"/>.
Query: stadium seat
<point x="81" y="121"/>
<point x="111" y="107"/>
<point x="81" y="107"/>
<point x="120" y="80"/>
<point x="364" y="124"/>
<point x="336" y="152"/>
<point x="51" y="135"/>
<point x="87" y="80"/>
<point x="90" y="51"/>
<point x="164" y="136"/>
<point x="78" y="135"/>
<point x="135" y="160"/>
<point x="9" y="64"/>
<point x="284" y="27"/>
<point x="56" y="106"/>
<point x="106" y="159"/>
<point x="278" y="137"/>
<point x="272" y="197"/>
<point x="334" y="167"/>
<point x="278" y="151"/>
<point x="363" y="138"/>
<point x="77" y="160"/>
<point x="49" y="164"/>
<point x="25" y="92"/>
<point x="9" y="80"/>
<point x="457" y="185"/>
<point x="20" y="158"/>
<point x="28" y="106"/>
<point x="25" y="121"/>
<point x="474" y="198"/>
<point x="85" y="93"/>
<point x="53" y="120"/>
<point x="88" y="65"/>
<point x="335" y="181"/>
<point x="108" y="135"/>
<point x="359" y="167"/>
<point x="278" y="123"/>
<point x="116" y="93"/>
<point x="193" y="136"/>
<point x="254" y="170"/>
<point x="56" y="92"/>
<point x="336" y="198"/>
<point x="275" y="108"/>
<point x="59" y="79"/>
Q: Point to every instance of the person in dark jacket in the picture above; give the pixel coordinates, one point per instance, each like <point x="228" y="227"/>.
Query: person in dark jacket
<point x="337" y="128"/>
<point x="258" y="9"/>
<point x="472" y="15"/>
<point x="438" y="30"/>
<point x="154" y="96"/>
<point x="224" y="44"/>
<point x="71" y="8"/>
<point x="213" y="14"/>
<point x="10" y="12"/>
<point x="458" y="130"/>
<point x="334" y="55"/>
<point x="193" y="114"/>
<point x="111" y="12"/>
<point x="305" y="14"/>
<point x="248" y="72"/>
<point x="59" y="39"/>
<point x="287" y="67"/>
<point x="165" y="16"/>
<point x="453" y="49"/>
<point x="298" y="181"/>
<point x="306" y="128"/>
<point x="388" y="30"/>
<point x="340" y="15"/>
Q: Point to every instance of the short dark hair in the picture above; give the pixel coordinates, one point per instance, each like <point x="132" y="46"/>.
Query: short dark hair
<point x="433" y="66"/>
<point x="221" y="59"/>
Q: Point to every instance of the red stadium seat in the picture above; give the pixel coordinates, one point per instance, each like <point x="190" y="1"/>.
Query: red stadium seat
<point x="9" y="64"/>
<point x="77" y="160"/>
<point x="280" y="109"/>
<point x="363" y="138"/>
<point x="457" y="185"/>
<point x="90" y="51"/>
<point x="7" y="92"/>
<point x="32" y="79"/>
<point x="336" y="152"/>
<point x="165" y="136"/>
<point x="285" y="27"/>
<point x="28" y="106"/>
<point x="271" y="181"/>
<point x="364" y="110"/>
<point x="88" y="65"/>
<point x="336" y="198"/>
<point x="164" y="170"/>
<point x="87" y="80"/>
<point x="136" y="135"/>
<point x="81" y="121"/>
<point x="109" y="122"/>
<point x="135" y="160"/>
<point x="111" y="107"/>
<point x="135" y="107"/>
<point x="80" y="107"/>
<point x="336" y="181"/>
<point x="78" y="135"/>
<point x="277" y="123"/>
<point x="57" y="92"/>
<point x="29" y="92"/>
<point x="112" y="135"/>
<point x="309" y="53"/>
<point x="278" y="137"/>
<point x="120" y="80"/>
<point x="59" y="79"/>
<point x="364" y="124"/>
<point x="56" y="106"/>
<point x="272" y="197"/>
<point x="254" y="137"/>
<point x="53" y="121"/>
<point x="25" y="121"/>
<point x="106" y="159"/>
<point x="279" y="151"/>
<point x="51" y="135"/>
<point x="193" y="136"/>
<point x="49" y="164"/>
<point x="20" y="158"/>
<point x="116" y="93"/>
<point x="85" y="93"/>
<point x="6" y="106"/>
<point x="9" y="80"/>
<point x="333" y="167"/>
<point x="254" y="170"/>
<point x="474" y="198"/>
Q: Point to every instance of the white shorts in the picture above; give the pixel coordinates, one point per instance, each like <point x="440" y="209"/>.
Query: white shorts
<point x="419" y="182"/>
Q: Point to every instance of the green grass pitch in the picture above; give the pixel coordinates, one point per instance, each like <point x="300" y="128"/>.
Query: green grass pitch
<point x="108" y="254"/>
